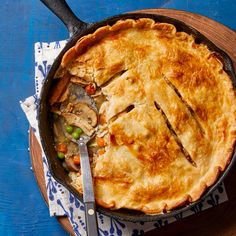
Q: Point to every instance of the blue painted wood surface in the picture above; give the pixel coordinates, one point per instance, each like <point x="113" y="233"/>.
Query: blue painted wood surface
<point x="23" y="22"/>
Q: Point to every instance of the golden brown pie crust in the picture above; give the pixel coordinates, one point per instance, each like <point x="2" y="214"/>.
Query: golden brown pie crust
<point x="181" y="130"/>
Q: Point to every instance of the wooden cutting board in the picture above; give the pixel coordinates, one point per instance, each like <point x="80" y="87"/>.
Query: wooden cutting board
<point x="220" y="220"/>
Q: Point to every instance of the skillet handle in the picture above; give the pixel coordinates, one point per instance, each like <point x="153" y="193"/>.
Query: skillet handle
<point x="63" y="11"/>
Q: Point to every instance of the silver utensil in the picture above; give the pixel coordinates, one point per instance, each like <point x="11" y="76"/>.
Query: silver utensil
<point x="88" y="191"/>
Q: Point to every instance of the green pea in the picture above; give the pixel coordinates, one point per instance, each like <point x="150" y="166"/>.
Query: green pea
<point x="69" y="129"/>
<point x="75" y="135"/>
<point x="60" y="155"/>
<point x="79" y="131"/>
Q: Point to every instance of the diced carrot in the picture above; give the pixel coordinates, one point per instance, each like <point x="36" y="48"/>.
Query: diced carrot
<point x="62" y="147"/>
<point x="76" y="159"/>
<point x="101" y="151"/>
<point x="100" y="142"/>
<point x="90" y="89"/>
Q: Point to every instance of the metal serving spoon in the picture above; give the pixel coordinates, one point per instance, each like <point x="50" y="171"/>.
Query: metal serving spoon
<point x="88" y="191"/>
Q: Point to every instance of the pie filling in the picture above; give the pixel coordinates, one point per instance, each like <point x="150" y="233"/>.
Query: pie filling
<point x="165" y="126"/>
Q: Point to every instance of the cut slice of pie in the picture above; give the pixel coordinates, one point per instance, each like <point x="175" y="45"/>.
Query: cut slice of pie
<point x="169" y="112"/>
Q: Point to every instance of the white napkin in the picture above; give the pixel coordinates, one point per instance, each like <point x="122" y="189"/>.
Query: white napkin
<point x="61" y="201"/>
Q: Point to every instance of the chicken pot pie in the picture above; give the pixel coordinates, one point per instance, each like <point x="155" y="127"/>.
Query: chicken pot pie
<point x="167" y="115"/>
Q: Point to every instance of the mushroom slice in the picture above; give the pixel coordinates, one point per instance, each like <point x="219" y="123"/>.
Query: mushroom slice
<point x="76" y="120"/>
<point x="86" y="113"/>
<point x="70" y="165"/>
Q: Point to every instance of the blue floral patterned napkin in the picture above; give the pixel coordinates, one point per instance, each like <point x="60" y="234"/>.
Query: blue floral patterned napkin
<point x="61" y="201"/>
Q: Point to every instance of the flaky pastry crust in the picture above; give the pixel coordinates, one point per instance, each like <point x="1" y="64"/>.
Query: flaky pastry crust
<point x="170" y="113"/>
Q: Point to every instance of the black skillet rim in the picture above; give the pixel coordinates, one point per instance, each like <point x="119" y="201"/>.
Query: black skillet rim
<point x="126" y="214"/>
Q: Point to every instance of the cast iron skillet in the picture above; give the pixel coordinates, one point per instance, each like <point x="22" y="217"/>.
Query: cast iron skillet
<point x="77" y="29"/>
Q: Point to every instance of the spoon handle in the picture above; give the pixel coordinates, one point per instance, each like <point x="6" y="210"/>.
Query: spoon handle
<point x="91" y="219"/>
<point x="88" y="193"/>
